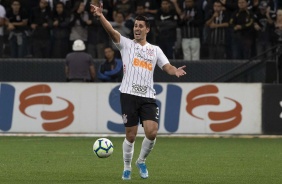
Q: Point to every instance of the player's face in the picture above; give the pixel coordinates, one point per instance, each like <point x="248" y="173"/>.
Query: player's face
<point x="140" y="30"/>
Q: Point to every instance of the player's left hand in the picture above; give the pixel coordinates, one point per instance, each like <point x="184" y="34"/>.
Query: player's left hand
<point x="180" y="71"/>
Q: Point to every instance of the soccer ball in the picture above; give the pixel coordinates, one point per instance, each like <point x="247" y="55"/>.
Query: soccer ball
<point x="103" y="147"/>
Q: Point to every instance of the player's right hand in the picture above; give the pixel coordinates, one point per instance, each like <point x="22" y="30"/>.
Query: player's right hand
<point x="97" y="11"/>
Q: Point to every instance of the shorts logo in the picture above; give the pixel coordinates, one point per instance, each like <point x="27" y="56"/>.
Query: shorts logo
<point x="139" y="89"/>
<point x="124" y="118"/>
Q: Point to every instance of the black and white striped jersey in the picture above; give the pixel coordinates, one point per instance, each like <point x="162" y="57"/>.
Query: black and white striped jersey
<point x="138" y="67"/>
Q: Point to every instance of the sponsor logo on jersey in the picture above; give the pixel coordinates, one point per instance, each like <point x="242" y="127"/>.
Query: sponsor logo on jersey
<point x="136" y="88"/>
<point x="143" y="64"/>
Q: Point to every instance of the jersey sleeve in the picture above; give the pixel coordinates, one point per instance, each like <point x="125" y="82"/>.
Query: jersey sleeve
<point x="161" y="58"/>
<point x="123" y="42"/>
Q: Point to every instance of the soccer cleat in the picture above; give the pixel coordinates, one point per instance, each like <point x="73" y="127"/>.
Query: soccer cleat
<point x="126" y="175"/>
<point x="142" y="170"/>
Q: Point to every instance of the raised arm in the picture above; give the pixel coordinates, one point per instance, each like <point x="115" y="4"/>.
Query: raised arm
<point x="98" y="12"/>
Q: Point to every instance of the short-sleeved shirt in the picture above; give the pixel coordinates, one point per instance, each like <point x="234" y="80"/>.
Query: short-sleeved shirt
<point x="79" y="64"/>
<point x="138" y="67"/>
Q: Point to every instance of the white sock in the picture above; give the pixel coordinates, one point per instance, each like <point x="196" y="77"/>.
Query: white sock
<point x="128" y="149"/>
<point x="146" y="148"/>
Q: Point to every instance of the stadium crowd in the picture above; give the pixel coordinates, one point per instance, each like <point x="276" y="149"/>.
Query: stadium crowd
<point x="184" y="29"/>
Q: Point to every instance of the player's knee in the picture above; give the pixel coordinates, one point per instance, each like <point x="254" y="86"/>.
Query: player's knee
<point x="151" y="135"/>
<point x="130" y="137"/>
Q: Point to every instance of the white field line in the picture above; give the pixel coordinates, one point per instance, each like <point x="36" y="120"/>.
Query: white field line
<point x="139" y="135"/>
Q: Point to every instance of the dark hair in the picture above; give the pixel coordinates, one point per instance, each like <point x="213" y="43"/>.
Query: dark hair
<point x="121" y="14"/>
<point x="217" y="1"/>
<point x="55" y="13"/>
<point x="15" y="1"/>
<point x="143" y="18"/>
<point x="167" y="1"/>
<point x="76" y="6"/>
<point x="109" y="47"/>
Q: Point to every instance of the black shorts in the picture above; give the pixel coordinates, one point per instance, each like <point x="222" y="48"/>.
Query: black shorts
<point x="137" y="109"/>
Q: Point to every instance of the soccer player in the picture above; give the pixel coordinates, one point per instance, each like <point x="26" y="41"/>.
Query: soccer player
<point x="137" y="93"/>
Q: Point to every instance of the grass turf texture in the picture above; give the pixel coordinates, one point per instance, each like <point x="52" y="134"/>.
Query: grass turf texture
<point x="173" y="160"/>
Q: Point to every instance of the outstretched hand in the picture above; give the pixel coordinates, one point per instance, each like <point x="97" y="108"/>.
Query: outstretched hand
<point x="180" y="71"/>
<point x="96" y="11"/>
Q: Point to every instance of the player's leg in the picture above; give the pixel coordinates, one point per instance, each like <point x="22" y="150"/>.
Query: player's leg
<point x="130" y="119"/>
<point x="151" y="129"/>
<point x="128" y="150"/>
<point x="150" y="115"/>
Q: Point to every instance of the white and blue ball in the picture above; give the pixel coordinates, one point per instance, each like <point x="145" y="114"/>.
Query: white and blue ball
<point x="103" y="147"/>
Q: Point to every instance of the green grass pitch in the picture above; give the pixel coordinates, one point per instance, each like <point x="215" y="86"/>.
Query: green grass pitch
<point x="174" y="160"/>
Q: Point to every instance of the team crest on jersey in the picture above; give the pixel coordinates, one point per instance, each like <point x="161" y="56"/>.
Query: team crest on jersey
<point x="150" y="52"/>
<point x="124" y="118"/>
